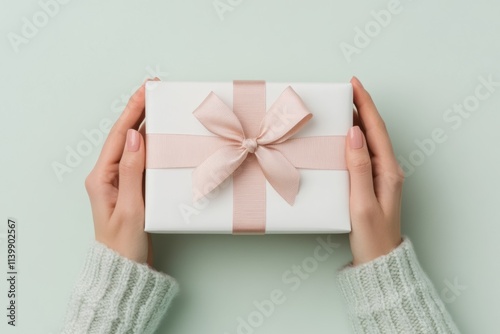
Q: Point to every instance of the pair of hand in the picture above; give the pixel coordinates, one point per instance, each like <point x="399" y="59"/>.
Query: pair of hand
<point x="115" y="185"/>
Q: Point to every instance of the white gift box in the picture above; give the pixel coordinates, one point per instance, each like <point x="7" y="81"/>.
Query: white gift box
<point x="322" y="203"/>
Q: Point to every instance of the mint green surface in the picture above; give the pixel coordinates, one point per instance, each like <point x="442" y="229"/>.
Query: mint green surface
<point x="78" y="69"/>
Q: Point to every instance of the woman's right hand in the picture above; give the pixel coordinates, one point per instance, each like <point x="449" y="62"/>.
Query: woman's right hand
<point x="376" y="182"/>
<point x="115" y="186"/>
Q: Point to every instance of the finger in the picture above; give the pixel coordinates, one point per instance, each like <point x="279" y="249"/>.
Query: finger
<point x="131" y="168"/>
<point x="142" y="128"/>
<point x="360" y="171"/>
<point x="131" y="118"/>
<point x="377" y="137"/>
<point x="355" y="118"/>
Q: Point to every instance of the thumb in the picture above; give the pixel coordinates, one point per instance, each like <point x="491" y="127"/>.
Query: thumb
<point x="130" y="172"/>
<point x="360" y="170"/>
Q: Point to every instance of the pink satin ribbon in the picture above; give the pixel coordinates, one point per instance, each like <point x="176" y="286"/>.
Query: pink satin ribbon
<point x="250" y="144"/>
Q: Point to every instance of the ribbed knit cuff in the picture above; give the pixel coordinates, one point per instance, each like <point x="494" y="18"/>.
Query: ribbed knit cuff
<point x="392" y="294"/>
<point x="116" y="295"/>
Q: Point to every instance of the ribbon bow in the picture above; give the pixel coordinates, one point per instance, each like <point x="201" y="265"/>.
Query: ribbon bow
<point x="286" y="117"/>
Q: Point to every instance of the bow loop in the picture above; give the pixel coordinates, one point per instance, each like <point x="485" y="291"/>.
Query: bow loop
<point x="218" y="118"/>
<point x="285" y="118"/>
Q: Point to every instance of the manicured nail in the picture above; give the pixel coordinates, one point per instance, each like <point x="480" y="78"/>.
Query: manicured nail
<point x="132" y="140"/>
<point x="355" y="138"/>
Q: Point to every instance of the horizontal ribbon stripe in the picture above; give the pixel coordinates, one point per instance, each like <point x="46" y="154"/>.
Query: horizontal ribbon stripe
<point x="178" y="151"/>
<point x="188" y="151"/>
<point x="323" y="152"/>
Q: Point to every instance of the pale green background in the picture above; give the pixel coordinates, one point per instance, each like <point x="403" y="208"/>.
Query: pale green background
<point x="90" y="55"/>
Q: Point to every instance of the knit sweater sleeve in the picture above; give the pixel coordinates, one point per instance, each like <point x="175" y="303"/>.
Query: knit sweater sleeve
<point x="116" y="295"/>
<point x="392" y="294"/>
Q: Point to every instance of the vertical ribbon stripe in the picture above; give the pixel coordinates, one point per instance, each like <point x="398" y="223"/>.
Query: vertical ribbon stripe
<point x="249" y="183"/>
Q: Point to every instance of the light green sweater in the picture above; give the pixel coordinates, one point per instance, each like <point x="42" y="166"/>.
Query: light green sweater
<point x="116" y="295"/>
<point x="390" y="294"/>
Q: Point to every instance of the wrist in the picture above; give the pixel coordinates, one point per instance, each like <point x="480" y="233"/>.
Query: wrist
<point x="371" y="251"/>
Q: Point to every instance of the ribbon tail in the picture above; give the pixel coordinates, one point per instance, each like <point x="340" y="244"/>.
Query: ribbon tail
<point x="279" y="172"/>
<point x="216" y="169"/>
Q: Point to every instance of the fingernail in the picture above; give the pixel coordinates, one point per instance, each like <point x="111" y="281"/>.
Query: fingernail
<point x="156" y="79"/>
<point x="355" y="138"/>
<point x="132" y="140"/>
